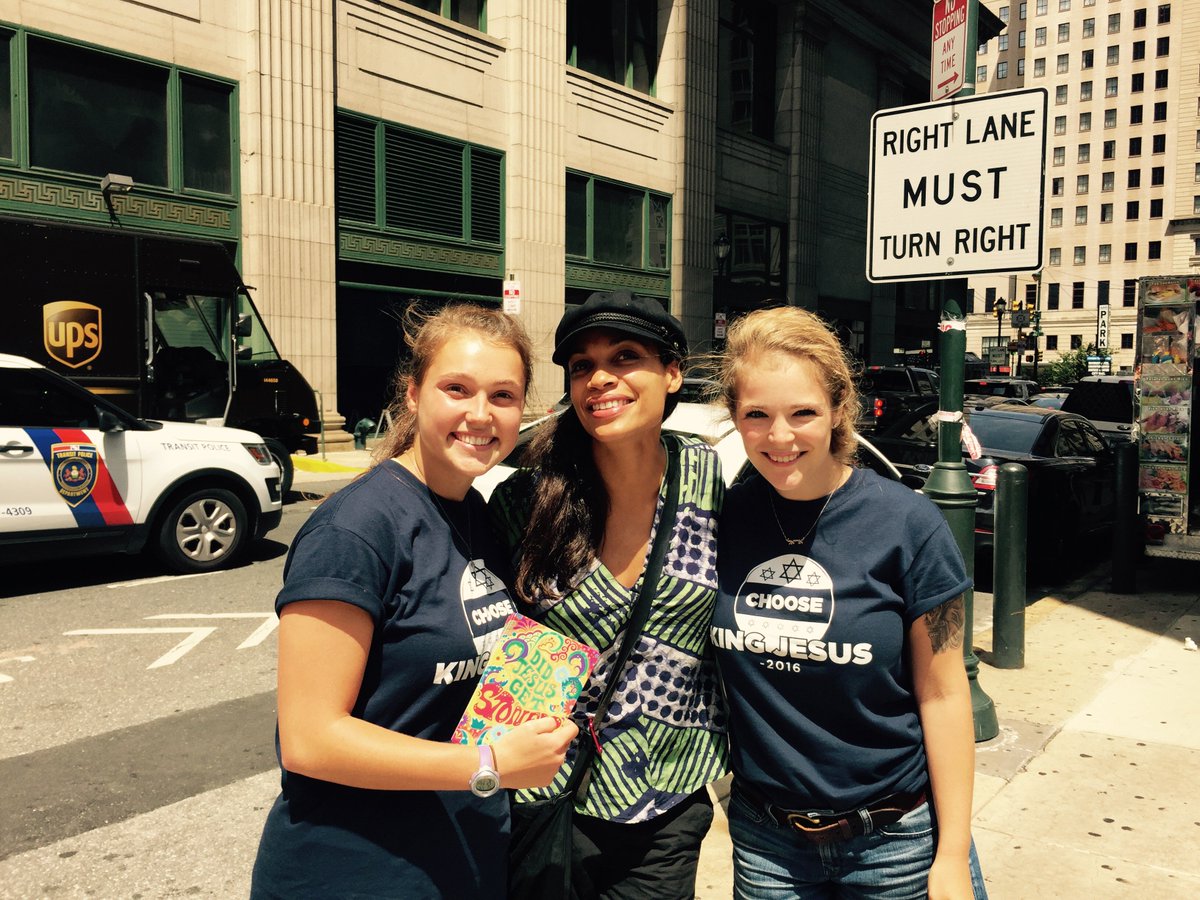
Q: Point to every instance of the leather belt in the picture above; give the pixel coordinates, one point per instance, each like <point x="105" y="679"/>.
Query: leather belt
<point x="821" y="827"/>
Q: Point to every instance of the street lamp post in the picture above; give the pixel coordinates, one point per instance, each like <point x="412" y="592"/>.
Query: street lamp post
<point x="998" y="311"/>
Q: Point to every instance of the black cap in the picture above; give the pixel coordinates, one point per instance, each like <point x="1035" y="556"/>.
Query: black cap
<point x="641" y="317"/>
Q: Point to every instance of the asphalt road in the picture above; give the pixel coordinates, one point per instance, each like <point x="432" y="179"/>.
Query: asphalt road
<point x="137" y="717"/>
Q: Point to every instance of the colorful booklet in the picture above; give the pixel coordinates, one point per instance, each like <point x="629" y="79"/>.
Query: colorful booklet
<point x="533" y="672"/>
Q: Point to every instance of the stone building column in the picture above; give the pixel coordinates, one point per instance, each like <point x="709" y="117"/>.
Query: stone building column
<point x="288" y="220"/>
<point x="811" y="28"/>
<point x="536" y="174"/>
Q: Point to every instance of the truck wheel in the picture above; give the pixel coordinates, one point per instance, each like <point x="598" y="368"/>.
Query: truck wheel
<point x="203" y="531"/>
<point x="283" y="458"/>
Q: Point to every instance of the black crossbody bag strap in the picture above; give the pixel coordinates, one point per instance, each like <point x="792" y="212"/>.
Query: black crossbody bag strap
<point x="581" y="773"/>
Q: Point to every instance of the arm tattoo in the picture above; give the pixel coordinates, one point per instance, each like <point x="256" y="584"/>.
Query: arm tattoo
<point x="945" y="625"/>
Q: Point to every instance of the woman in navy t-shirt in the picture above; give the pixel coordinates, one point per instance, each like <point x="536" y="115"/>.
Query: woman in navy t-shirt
<point x="838" y="632"/>
<point x="393" y="595"/>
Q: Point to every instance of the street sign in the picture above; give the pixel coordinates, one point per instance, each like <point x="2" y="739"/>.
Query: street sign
<point x="719" y="322"/>
<point x="948" y="56"/>
<point x="512" y="297"/>
<point x="1102" y="314"/>
<point x="997" y="356"/>
<point x="956" y="188"/>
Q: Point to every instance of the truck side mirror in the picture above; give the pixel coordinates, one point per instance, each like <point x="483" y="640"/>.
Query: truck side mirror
<point x="244" y="326"/>
<point x="245" y="353"/>
<point x="109" y="423"/>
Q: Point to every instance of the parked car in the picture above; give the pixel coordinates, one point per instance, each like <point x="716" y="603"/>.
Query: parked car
<point x="1070" y="469"/>
<point x="1107" y="402"/>
<point x="1019" y="388"/>
<point x="886" y="393"/>
<point x="1051" y="398"/>
<point x="79" y="475"/>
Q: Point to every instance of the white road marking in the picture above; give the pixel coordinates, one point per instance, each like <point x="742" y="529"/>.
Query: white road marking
<point x="158" y="579"/>
<point x="194" y="637"/>
<point x="5" y="679"/>
<point x="260" y="634"/>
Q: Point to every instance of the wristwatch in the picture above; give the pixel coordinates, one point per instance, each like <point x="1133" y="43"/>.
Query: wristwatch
<point x="486" y="780"/>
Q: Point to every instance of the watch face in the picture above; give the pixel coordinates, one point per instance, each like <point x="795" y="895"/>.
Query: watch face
<point x="484" y="784"/>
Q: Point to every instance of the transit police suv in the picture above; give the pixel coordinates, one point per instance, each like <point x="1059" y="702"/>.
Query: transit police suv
<point x="79" y="475"/>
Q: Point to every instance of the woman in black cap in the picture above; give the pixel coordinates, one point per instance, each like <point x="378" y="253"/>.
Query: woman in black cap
<point x="580" y="522"/>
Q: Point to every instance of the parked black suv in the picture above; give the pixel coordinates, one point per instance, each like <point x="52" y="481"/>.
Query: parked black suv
<point x="1107" y="402"/>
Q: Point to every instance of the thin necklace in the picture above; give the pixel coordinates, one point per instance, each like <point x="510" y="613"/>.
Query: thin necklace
<point x="466" y="543"/>
<point x="796" y="542"/>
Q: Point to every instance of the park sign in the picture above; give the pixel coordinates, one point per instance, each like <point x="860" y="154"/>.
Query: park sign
<point x="956" y="188"/>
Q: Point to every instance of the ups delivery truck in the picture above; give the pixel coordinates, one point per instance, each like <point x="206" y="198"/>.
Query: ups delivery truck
<point x="161" y="326"/>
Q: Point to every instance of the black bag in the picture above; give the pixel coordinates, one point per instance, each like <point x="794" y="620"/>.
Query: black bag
<point x="542" y="848"/>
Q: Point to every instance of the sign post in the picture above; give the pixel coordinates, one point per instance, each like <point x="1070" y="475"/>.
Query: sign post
<point x="956" y="188"/>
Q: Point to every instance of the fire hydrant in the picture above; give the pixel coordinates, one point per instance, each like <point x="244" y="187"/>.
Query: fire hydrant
<point x="362" y="428"/>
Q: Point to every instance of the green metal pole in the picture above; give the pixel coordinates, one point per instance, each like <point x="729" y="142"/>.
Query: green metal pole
<point x="1126" y="547"/>
<point x="1008" y="568"/>
<point x="950" y="488"/>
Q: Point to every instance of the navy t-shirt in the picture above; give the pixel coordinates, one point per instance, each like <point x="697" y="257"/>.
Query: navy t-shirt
<point x="428" y="573"/>
<point x="811" y="640"/>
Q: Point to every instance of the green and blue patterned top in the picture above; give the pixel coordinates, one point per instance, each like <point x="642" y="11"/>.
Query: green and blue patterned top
<point x="664" y="735"/>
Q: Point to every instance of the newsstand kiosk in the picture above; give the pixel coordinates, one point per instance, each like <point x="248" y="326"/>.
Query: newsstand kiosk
<point x="1166" y="385"/>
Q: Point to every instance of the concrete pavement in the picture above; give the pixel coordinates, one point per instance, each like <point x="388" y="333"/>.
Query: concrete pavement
<point x="1088" y="790"/>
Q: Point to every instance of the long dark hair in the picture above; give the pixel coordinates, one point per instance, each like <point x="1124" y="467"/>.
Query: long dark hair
<point x="425" y="333"/>
<point x="569" y="504"/>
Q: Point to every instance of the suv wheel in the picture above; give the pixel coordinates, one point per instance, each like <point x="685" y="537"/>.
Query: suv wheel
<point x="203" y="531"/>
<point x="283" y="459"/>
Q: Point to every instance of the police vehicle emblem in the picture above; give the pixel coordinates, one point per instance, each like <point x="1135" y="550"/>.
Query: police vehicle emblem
<point x="74" y="467"/>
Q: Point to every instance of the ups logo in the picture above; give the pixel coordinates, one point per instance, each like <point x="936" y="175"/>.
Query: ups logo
<point x="71" y="332"/>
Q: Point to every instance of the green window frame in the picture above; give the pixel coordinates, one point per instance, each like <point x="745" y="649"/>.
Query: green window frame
<point x="396" y="179"/>
<point x="610" y="223"/>
<point x="617" y="41"/>
<point x="471" y="13"/>
<point x="77" y="111"/>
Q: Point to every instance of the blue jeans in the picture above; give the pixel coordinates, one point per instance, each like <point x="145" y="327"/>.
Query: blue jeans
<point x="770" y="862"/>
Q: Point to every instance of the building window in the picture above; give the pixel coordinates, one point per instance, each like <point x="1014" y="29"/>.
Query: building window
<point x="619" y="215"/>
<point x="1157" y="175"/>
<point x="1039" y="36"/>
<point x="1113" y="56"/>
<point x="980" y="74"/>
<point x="1052" y="296"/>
<point x="1089" y="28"/>
<point x="1107" y="180"/>
<point x="1021" y="66"/>
<point x="1158" y="143"/>
<point x="1022" y="8"/>
<point x="1085" y="153"/>
<point x="615" y="41"/>
<point x="1139" y="50"/>
<point x="1021" y="38"/>
<point x="1162" y="46"/>
<point x="1106" y="212"/>
<point x="1156" y="208"/>
<point x="1154" y="250"/>
<point x="1135" y="146"/>
<point x="1114" y="23"/>
<point x="746" y="68"/>
<point x="1160" y="111"/>
<point x="1110" y="118"/>
<point x="1077" y="342"/>
<point x="1110" y="86"/>
<point x="1085" y="90"/>
<point x="1135" y="115"/>
<point x="1196" y="173"/>
<point x="1060" y="156"/>
<point x="1002" y="69"/>
<point x="1129" y="292"/>
<point x="1040" y="7"/>
<point x="1055" y="256"/>
<point x="1052" y="342"/>
<point x="1081" y="184"/>
<point x="1056" y="185"/>
<point x="1081" y="215"/>
<point x="1105" y="253"/>
<point x="1131" y="252"/>
<point x="1060" y="94"/>
<point x="1132" y="210"/>
<point x="1077" y="289"/>
<point x="1056" y="217"/>
<point x="1127" y="340"/>
<point x="1003" y="14"/>
<point x="1109" y="151"/>
<point x="1087" y="59"/>
<point x="1139" y="18"/>
<point x="1195" y="206"/>
<point x="1085" y="121"/>
<point x="1064" y="63"/>
<point x="1002" y="42"/>
<point x="1137" y="82"/>
<point x="1160" y="79"/>
<point x="1164" y="13"/>
<point x="981" y="50"/>
<point x="1064" y="32"/>
<point x="1060" y="124"/>
<point x="1080" y="255"/>
<point x="1039" y="67"/>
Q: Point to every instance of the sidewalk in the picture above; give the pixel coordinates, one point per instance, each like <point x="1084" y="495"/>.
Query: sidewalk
<point x="1088" y="792"/>
<point x="1089" y="789"/>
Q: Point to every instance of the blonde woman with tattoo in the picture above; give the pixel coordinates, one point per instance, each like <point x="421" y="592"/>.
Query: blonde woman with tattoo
<point x="838" y="632"/>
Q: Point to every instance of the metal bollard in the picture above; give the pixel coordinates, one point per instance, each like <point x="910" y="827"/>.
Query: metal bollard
<point x="1126" y="546"/>
<point x="1008" y="567"/>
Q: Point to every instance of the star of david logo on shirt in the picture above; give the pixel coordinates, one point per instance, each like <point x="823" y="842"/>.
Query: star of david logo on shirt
<point x="483" y="578"/>
<point x="792" y="570"/>
<point x="767" y="573"/>
<point x="814" y="578"/>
